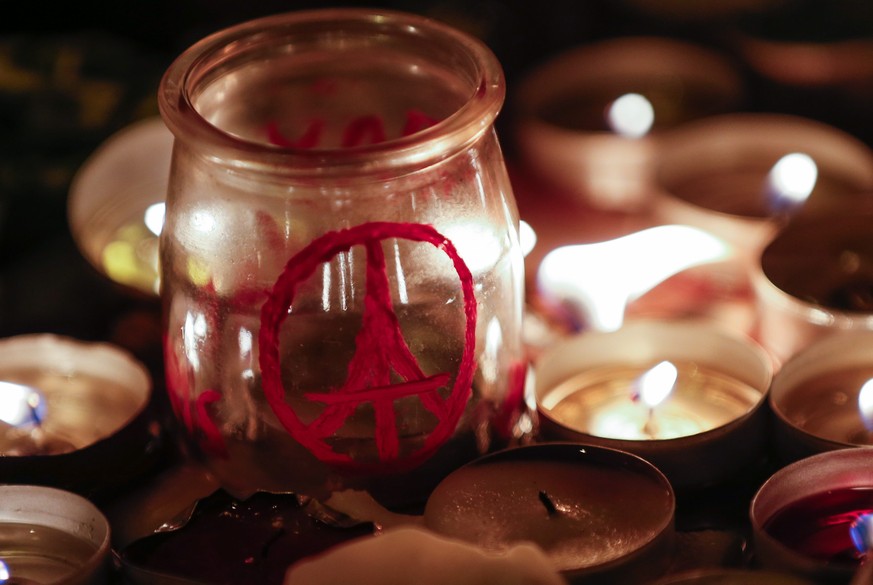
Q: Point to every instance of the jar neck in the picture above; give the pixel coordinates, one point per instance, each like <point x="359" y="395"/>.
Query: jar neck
<point x="275" y="49"/>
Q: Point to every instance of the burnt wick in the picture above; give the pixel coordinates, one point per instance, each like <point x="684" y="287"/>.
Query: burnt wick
<point x="549" y="505"/>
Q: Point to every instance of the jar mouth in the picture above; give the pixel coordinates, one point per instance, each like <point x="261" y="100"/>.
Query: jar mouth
<point x="292" y="91"/>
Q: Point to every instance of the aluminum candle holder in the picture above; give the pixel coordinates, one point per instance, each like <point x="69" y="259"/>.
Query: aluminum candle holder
<point x="712" y="425"/>
<point x="546" y="493"/>
<point x="801" y="517"/>
<point x="820" y="397"/>
<point x="647" y="84"/>
<point x="74" y="414"/>
<point x="116" y="204"/>
<point x="741" y="176"/>
<point x="49" y="535"/>
<point x="815" y="279"/>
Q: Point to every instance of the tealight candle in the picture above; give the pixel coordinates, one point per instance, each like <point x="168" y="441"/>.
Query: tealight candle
<point x="802" y="516"/>
<point x="643" y="85"/>
<point x="598" y="388"/>
<point x="598" y="513"/>
<point x="814" y="279"/>
<point x="49" y="535"/>
<point x="739" y="176"/>
<point x="822" y="398"/>
<point x="116" y="204"/>
<point x="73" y="414"/>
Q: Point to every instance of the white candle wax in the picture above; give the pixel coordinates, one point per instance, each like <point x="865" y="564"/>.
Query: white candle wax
<point x="406" y="555"/>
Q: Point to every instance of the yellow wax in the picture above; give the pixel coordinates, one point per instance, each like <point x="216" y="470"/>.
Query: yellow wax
<point x="602" y="402"/>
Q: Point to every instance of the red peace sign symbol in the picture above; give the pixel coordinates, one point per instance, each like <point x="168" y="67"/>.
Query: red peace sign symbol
<point x="380" y="349"/>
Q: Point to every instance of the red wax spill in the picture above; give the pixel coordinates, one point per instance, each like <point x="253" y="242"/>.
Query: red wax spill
<point x="818" y="526"/>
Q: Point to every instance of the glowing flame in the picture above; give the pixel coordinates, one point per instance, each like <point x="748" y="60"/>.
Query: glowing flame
<point x="154" y="217"/>
<point x="599" y="280"/>
<point x="21" y="405"/>
<point x="4" y="572"/>
<point x="861" y="531"/>
<point x="631" y="115"/>
<point x="791" y="180"/>
<point x="657" y="383"/>
<point x="865" y="403"/>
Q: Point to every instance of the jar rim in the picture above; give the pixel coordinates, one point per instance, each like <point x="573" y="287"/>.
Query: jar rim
<point x="449" y="135"/>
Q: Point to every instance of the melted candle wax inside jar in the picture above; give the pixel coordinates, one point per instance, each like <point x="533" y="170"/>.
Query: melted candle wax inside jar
<point x="821" y="526"/>
<point x="668" y="401"/>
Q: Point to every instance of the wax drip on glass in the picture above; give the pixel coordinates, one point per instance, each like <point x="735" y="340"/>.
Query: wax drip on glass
<point x="584" y="281"/>
<point x="865" y="408"/>
<point x="655" y="385"/>
<point x="631" y="115"/>
<point x="22" y="413"/>
<point x="790" y="182"/>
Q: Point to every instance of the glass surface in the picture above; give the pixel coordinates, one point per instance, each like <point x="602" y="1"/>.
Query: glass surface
<point x="342" y="279"/>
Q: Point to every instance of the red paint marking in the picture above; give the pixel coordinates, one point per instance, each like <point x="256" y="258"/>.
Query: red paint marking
<point x="380" y="348"/>
<point x="212" y="439"/>
<point x="416" y="121"/>
<point x="513" y="403"/>
<point x="310" y="138"/>
<point x="389" y="391"/>
<point x="201" y="427"/>
<point x="362" y="128"/>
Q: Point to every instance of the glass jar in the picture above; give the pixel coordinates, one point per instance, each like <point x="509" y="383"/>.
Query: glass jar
<point x="341" y="273"/>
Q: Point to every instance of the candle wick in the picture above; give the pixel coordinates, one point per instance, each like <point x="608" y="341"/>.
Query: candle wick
<point x="551" y="509"/>
<point x="650" y="429"/>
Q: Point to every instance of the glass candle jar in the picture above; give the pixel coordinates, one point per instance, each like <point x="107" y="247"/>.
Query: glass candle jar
<point x="342" y="278"/>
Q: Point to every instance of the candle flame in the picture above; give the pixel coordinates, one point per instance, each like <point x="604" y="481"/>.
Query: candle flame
<point x="631" y="115"/>
<point x="865" y="403"/>
<point x="21" y="405"/>
<point x="861" y="531"/>
<point x="598" y="280"/>
<point x="791" y="180"/>
<point x="656" y="384"/>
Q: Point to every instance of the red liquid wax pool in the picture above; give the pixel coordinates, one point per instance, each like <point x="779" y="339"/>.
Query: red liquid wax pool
<point x="818" y="526"/>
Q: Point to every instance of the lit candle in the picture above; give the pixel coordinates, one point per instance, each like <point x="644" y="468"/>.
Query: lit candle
<point x="739" y="176"/>
<point x="590" y="117"/>
<point x="73" y="414"/>
<point x="708" y="421"/>
<point x="597" y="513"/>
<point x="802" y="516"/>
<point x="116" y="204"/>
<point x="51" y="536"/>
<point x="583" y="278"/>
<point x="822" y="398"/>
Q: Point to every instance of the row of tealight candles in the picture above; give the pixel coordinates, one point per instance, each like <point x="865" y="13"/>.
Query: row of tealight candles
<point x="765" y="213"/>
<point x="630" y="412"/>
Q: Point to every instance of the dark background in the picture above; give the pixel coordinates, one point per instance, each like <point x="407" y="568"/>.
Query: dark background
<point x="73" y="73"/>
